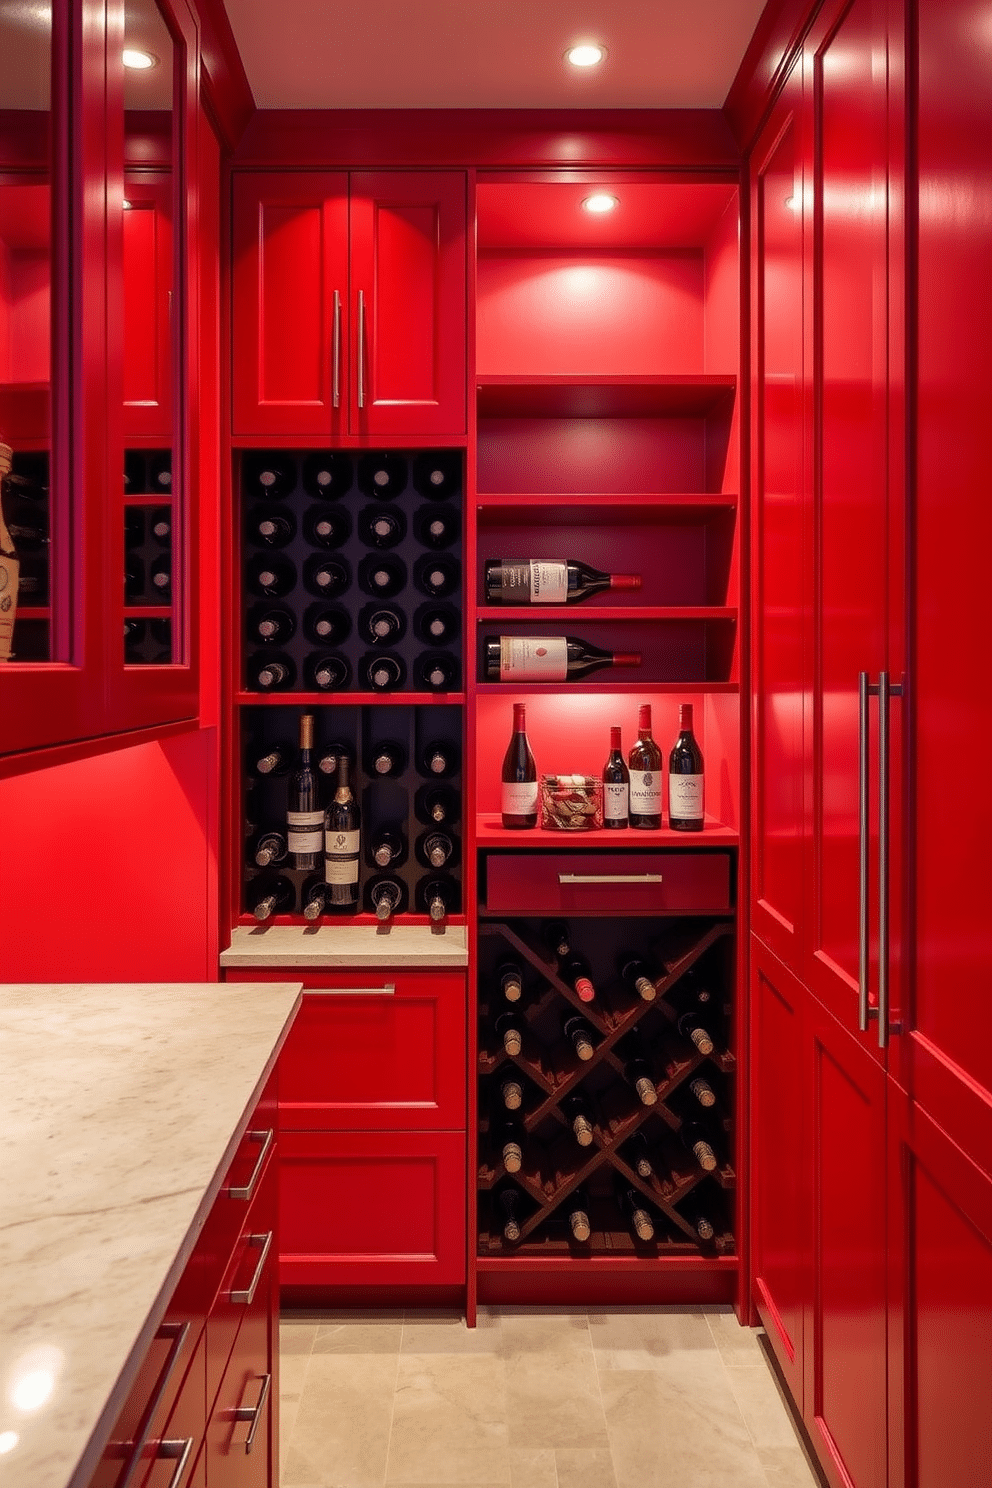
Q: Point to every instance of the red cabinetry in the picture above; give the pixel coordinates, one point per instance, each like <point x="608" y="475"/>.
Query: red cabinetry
<point x="349" y="304"/>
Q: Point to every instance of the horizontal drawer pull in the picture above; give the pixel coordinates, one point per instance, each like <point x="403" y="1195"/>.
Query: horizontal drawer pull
<point x="253" y="1413"/>
<point x="182" y="1449"/>
<point x="387" y="990"/>
<point x="609" y="878"/>
<point x="247" y="1296"/>
<point x="266" y="1138"/>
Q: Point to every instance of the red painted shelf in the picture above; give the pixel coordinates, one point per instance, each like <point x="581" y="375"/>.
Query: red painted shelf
<point x="575" y="614"/>
<point x="590" y="396"/>
<point x="353" y="699"/>
<point x="490" y="832"/>
<point x="528" y="508"/>
<point x="597" y="684"/>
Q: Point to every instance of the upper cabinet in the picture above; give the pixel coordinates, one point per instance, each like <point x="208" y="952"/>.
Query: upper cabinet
<point x="349" y="304"/>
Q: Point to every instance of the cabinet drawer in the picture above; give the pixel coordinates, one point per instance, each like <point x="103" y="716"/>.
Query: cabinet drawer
<point x="372" y="1208"/>
<point x="388" y="1056"/>
<point x="244" y="1289"/>
<point x="528" y="883"/>
<point x="239" y="1432"/>
<point x="172" y="1360"/>
<point x="172" y="1456"/>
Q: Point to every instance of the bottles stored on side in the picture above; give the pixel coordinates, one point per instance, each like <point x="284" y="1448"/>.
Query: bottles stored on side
<point x="580" y="1034"/>
<point x="271" y="574"/>
<point x="270" y="894"/>
<point x="387" y="897"/>
<point x="387" y="847"/>
<point x="326" y="577"/>
<point x="326" y="625"/>
<point x="436" y="804"/>
<point x="436" y="672"/>
<point x="270" y="625"/>
<point x="382" y="671"/>
<point x="638" y="978"/>
<point x="578" y="1113"/>
<point x="270" y="526"/>
<point x="645" y="774"/>
<point x="438" y="898"/>
<point x="326" y="476"/>
<point x="381" y="625"/>
<point x="440" y="759"/>
<point x="381" y="526"/>
<point x="510" y="980"/>
<point x="510" y="1032"/>
<point x="548" y="581"/>
<point x="575" y="970"/>
<point x="577" y="1209"/>
<point x="269" y="847"/>
<point x="314" y="898"/>
<point x="327" y="671"/>
<point x="548" y="659"/>
<point x="271" y="672"/>
<point x="518" y="777"/>
<point x="685" y="778"/>
<point x="326" y="526"/>
<point x="508" y="1141"/>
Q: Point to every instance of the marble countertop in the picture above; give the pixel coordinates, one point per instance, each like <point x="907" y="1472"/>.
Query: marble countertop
<point x="121" y="1107"/>
<point x="346" y="945"/>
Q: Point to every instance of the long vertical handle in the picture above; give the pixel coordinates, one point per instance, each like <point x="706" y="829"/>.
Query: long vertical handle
<point x="863" y="824"/>
<point x="336" y="353"/>
<point x="361" y="348"/>
<point x="883" y="859"/>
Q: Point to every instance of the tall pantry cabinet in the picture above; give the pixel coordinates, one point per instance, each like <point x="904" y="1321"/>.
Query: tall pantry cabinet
<point x="868" y="946"/>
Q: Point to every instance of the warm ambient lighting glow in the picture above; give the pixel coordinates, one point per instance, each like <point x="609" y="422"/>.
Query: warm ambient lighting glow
<point x="139" y="60"/>
<point x="600" y="202"/>
<point x="586" y="55"/>
<point x="8" y="1441"/>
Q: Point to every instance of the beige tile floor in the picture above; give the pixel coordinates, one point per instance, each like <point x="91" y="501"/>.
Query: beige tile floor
<point x="532" y="1398"/>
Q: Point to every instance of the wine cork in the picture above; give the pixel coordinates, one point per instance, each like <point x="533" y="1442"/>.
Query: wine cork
<point x="702" y="1040"/>
<point x="646" y="989"/>
<point x="643" y="1227"/>
<point x="511" y="987"/>
<point x="513" y="1157"/>
<point x="703" y="1092"/>
<point x="583" y="1045"/>
<point x="513" y="1095"/>
<point x="512" y="1042"/>
<point x="646" y="1092"/>
<point x="643" y="1168"/>
<point x="582" y="1127"/>
<point x="579" y="1222"/>
<point x="704" y="1228"/>
<point x="511" y="1231"/>
<point x="704" y="1155"/>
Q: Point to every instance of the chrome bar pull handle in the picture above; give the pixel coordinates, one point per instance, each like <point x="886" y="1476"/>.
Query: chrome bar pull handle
<point x="863" y="825"/>
<point x="388" y="989"/>
<point x="361" y="348"/>
<point x="609" y="878"/>
<point x="336" y="353"/>
<point x="253" y="1413"/>
<point x="181" y="1448"/>
<point x="247" y="1296"/>
<point x="883" y="860"/>
<point x="266" y="1138"/>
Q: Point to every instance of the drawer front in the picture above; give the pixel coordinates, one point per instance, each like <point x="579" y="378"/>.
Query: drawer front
<point x="661" y="882"/>
<point x="391" y="1057"/>
<point x="170" y="1456"/>
<point x="240" y="1429"/>
<point x="366" y="1209"/>
<point x="244" y="1290"/>
<point x="171" y="1358"/>
<point x="242" y="1183"/>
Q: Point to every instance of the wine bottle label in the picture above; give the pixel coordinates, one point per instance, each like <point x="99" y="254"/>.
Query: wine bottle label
<point x="616" y="801"/>
<point x="518" y="798"/>
<point x="540" y="581"/>
<point x="305" y="831"/>
<point x="685" y="797"/>
<point x="645" y="792"/>
<point x="341" y="857"/>
<point x="533" y="659"/>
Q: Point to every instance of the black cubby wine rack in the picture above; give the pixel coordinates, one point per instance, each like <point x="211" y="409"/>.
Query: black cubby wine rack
<point x="393" y="801"/>
<point x="691" y="964"/>
<point x="148" y="556"/>
<point x="26" y="512"/>
<point x="356" y="541"/>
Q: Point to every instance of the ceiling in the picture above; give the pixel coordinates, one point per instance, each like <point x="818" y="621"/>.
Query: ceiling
<point x="490" y="53"/>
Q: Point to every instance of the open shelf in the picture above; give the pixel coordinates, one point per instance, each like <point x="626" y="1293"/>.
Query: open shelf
<point x="591" y="396"/>
<point x="490" y="832"/>
<point x="356" y="699"/>
<point x="530" y="508"/>
<point x="627" y="614"/>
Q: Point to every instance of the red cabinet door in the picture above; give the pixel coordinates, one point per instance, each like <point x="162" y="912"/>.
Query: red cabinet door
<point x="408" y="287"/>
<point x="844" y="1392"/>
<point x="241" y="1435"/>
<point x="289" y="346"/>
<point x="147" y="286"/>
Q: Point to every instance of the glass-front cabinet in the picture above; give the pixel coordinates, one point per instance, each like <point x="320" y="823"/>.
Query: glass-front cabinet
<point x="98" y="112"/>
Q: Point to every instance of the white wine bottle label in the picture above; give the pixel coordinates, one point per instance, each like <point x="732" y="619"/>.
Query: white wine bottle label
<point x="645" y="792"/>
<point x="616" y="801"/>
<point x="533" y="659"/>
<point x="305" y="831"/>
<point x="540" y="581"/>
<point x="685" y="797"/>
<point x="513" y="1157"/>
<point x="518" y="797"/>
<point x="341" y="857"/>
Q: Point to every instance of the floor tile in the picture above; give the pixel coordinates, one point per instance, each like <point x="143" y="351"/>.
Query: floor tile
<point x="359" y="1332"/>
<point x="296" y="1335"/>
<point x="446" y="1333"/>
<point x="449" y="1420"/>
<point x="341" y="1434"/>
<point x="736" y="1344"/>
<point x="532" y="1467"/>
<point x="787" y="1467"/>
<point x="554" y="1400"/>
<point x="765" y="1413"/>
<point x="645" y="1338"/>
<point x="584" y="1469"/>
<point x="539" y="1332"/>
<point x="664" y="1435"/>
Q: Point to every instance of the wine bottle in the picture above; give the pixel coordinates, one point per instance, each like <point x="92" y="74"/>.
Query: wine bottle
<point x="511" y="981"/>
<point x="645" y="774"/>
<point x="548" y="659"/>
<point x="160" y="525"/>
<point x="270" y="847"/>
<point x="702" y="1091"/>
<point x="637" y="977"/>
<point x="518" y="789"/>
<point x="270" y="526"/>
<point x="509" y="1140"/>
<point x="327" y="625"/>
<point x="314" y="898"/>
<point x="511" y="1093"/>
<point x="695" y="1138"/>
<point x="387" y="847"/>
<point x="548" y="581"/>
<point x="435" y="804"/>
<point x="439" y="898"/>
<point x="632" y="1207"/>
<point x="342" y="843"/>
<point x="638" y="1155"/>
<point x="638" y="1072"/>
<point x="382" y="671"/>
<point x="134" y="581"/>
<point x="160" y="574"/>
<point x="271" y="672"/>
<point x="134" y="473"/>
<point x="437" y="672"/>
<point x="381" y="625"/>
<point x="691" y="1025"/>
<point x="161" y="635"/>
<point x="437" y="624"/>
<point x="574" y="969"/>
<point x="326" y="526"/>
<point x="685" y="778"/>
<point x="580" y="1034"/>
<point x="274" y="761"/>
<point x="437" y="575"/>
<point x="435" y="527"/>
<point x="700" y="1221"/>
<point x="557" y="938"/>
<point x="268" y="474"/>
<point x="435" y="849"/>
<point x="437" y="475"/>
<point x="160" y="471"/>
<point x="304" y="817"/>
<point x="270" y="625"/>
<point x="510" y="1032"/>
<point x="616" y="786"/>
<point x="326" y="577"/>
<point x="509" y="1214"/>
<point x="134" y="527"/>
<point x="382" y="576"/>
<point x="271" y="574"/>
<point x="135" y="636"/>
<point x="578" y="1113"/>
<point x="382" y="475"/>
<point x="386" y="898"/>
<point x="270" y="894"/>
<point x="327" y="671"/>
<point x="326" y="475"/>
<point x="327" y="762"/>
<point x="440" y="759"/>
<point x="577" y="1206"/>
<point x="388" y="758"/>
<point x="381" y="526"/>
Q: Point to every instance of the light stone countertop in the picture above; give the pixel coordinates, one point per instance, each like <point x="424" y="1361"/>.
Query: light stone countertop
<point x="121" y="1106"/>
<point x="276" y="946"/>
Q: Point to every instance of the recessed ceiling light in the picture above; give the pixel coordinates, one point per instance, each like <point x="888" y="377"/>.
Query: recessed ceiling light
<point x="141" y="61"/>
<point x="587" y="54"/>
<point x="600" y="201"/>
